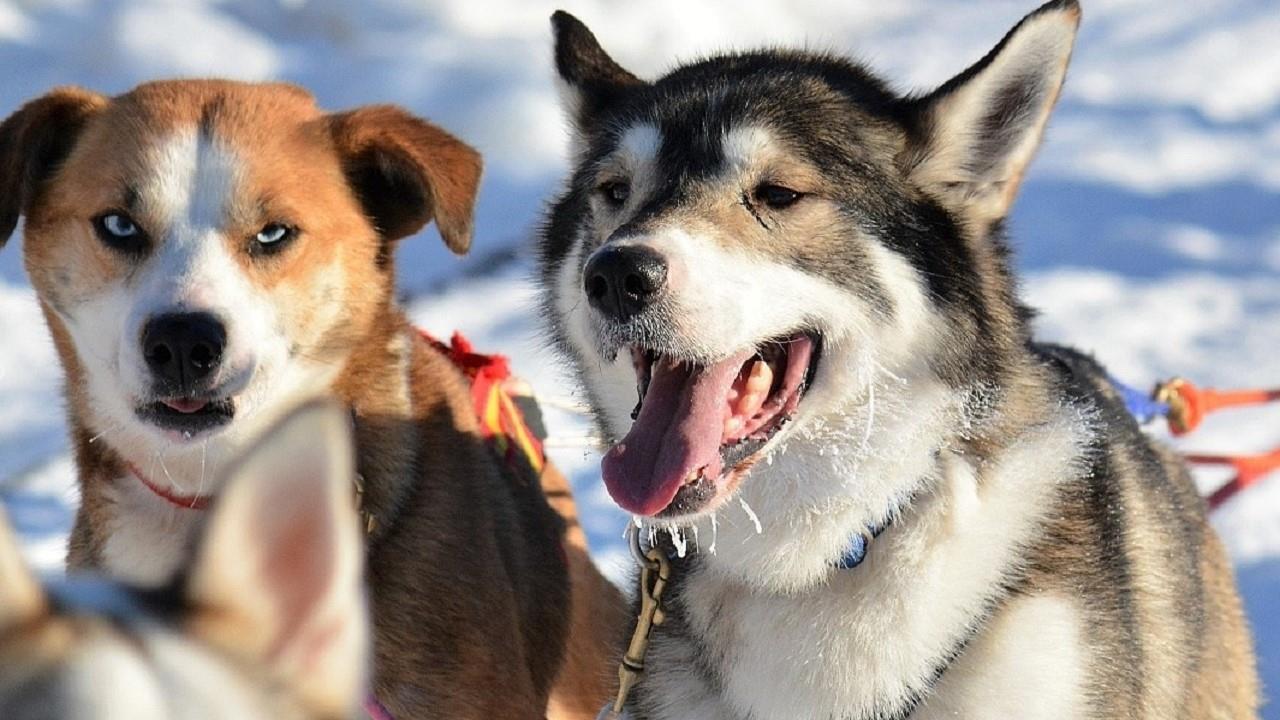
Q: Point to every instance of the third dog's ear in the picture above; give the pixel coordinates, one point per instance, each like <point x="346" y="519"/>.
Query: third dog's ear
<point x="407" y="171"/>
<point x="21" y="599"/>
<point x="33" y="142"/>
<point x="592" y="81"/>
<point x="978" y="132"/>
<point x="277" y="574"/>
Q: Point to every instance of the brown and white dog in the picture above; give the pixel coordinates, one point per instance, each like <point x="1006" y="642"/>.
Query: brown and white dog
<point x="267" y="621"/>
<point x="206" y="253"/>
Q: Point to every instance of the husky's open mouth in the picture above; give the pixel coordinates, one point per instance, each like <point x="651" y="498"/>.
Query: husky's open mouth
<point x="699" y="428"/>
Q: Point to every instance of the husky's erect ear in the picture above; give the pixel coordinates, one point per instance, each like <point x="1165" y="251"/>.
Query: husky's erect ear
<point x="407" y="171"/>
<point x="978" y="132"/>
<point x="21" y="598"/>
<point x="33" y="142"/>
<point x="277" y="574"/>
<point x="590" y="80"/>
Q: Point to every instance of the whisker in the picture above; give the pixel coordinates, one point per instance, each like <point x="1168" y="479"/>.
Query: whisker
<point x="204" y="451"/>
<point x="172" y="481"/>
<point x="751" y="514"/>
<point x="871" y="417"/>
<point x="105" y="431"/>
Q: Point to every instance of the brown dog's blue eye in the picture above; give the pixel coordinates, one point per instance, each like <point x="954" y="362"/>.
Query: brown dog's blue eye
<point x="272" y="234"/>
<point x="119" y="232"/>
<point x="776" y="197"/>
<point x="119" y="226"/>
<point x="273" y="237"/>
<point x="615" y="192"/>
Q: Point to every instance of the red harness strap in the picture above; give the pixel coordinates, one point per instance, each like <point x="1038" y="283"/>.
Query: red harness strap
<point x="502" y="422"/>
<point x="1188" y="406"/>
<point x="1249" y="470"/>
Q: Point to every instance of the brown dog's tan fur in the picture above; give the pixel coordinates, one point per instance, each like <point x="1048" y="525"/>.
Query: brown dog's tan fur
<point x="469" y="592"/>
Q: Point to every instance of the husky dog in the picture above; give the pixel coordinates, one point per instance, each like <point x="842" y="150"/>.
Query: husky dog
<point x="883" y="499"/>
<point x="268" y="619"/>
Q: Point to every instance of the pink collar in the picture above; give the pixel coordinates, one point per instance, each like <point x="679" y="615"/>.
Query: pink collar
<point x="186" y="502"/>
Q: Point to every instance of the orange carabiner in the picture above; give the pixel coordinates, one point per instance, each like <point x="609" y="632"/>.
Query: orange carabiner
<point x="1189" y="404"/>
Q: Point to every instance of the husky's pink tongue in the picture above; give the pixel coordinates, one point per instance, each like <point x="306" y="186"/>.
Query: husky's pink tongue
<point x="678" y="432"/>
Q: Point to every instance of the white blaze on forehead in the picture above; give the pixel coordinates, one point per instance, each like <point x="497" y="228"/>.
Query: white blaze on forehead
<point x="190" y="178"/>
<point x="191" y="181"/>
<point x="744" y="146"/>
<point x="640" y="144"/>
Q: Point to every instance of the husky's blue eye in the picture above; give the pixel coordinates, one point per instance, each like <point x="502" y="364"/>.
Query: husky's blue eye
<point x="273" y="237"/>
<point x="119" y="232"/>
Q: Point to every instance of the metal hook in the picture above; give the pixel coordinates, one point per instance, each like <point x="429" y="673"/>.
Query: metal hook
<point x="633" y="541"/>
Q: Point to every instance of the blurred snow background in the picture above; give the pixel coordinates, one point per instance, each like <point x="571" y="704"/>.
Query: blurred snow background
<point x="1148" y="230"/>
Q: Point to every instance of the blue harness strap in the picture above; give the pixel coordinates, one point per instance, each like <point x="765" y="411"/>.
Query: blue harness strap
<point x="1139" y="404"/>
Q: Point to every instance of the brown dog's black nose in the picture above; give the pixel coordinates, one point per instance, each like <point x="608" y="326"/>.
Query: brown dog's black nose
<point x="183" y="349"/>
<point x="622" y="281"/>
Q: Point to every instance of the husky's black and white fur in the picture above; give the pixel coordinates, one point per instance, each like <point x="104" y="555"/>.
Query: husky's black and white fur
<point x="806" y="276"/>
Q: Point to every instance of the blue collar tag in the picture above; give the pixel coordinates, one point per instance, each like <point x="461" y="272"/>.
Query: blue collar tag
<point x="856" y="553"/>
<point x="859" y="544"/>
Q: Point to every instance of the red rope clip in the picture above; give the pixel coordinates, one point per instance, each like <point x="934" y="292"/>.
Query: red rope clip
<point x="1188" y="407"/>
<point x="1189" y="404"/>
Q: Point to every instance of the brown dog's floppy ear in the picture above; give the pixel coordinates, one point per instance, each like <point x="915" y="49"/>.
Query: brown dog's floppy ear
<point x="33" y="141"/>
<point x="406" y="171"/>
<point x="592" y="81"/>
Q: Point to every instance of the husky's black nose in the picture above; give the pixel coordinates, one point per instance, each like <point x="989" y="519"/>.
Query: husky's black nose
<point x="183" y="349"/>
<point x="622" y="281"/>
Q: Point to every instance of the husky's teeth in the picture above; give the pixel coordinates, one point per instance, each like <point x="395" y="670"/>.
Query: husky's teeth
<point x="644" y="375"/>
<point x="760" y="378"/>
<point x="732" y="425"/>
<point x="746" y="401"/>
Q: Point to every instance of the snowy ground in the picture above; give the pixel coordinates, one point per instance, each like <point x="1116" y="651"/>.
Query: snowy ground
<point x="1149" y="230"/>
